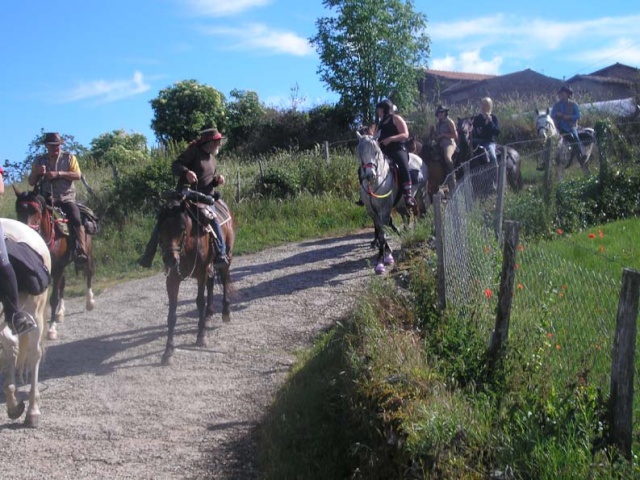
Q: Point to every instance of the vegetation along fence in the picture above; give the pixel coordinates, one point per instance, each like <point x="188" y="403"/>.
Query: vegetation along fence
<point x="546" y="305"/>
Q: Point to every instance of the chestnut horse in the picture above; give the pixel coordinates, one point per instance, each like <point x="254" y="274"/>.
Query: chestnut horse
<point x="32" y="209"/>
<point x="24" y="352"/>
<point x="187" y="252"/>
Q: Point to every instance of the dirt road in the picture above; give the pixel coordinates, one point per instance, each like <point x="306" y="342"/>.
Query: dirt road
<point x="109" y="410"/>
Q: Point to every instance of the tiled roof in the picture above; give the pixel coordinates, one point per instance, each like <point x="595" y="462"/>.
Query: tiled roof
<point x="459" y="75"/>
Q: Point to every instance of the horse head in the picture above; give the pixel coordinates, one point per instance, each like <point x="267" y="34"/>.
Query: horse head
<point x="370" y="155"/>
<point x="545" y="128"/>
<point x="30" y="208"/>
<point x="172" y="232"/>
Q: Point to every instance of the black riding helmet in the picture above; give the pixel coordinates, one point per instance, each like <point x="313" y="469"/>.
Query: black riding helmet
<point x="386" y="106"/>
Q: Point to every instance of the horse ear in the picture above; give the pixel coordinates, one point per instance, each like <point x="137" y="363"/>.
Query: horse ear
<point x="537" y="112"/>
<point x="547" y="110"/>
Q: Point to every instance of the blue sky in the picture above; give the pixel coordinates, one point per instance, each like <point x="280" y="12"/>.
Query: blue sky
<point x="85" y="67"/>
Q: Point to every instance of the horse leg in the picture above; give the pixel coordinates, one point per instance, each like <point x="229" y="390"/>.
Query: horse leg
<point x="34" y="344"/>
<point x="10" y="346"/>
<point x="203" y="279"/>
<point x="173" y="288"/>
<point x="380" y="263"/>
<point x="88" y="271"/>
<point x="56" y="303"/>
<point x="225" y="277"/>
<point x="60" y="309"/>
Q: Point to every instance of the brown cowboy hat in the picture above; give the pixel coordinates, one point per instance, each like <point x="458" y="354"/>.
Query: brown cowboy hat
<point x="53" y="138"/>
<point x="566" y="89"/>
<point x="209" y="134"/>
<point x="441" y="109"/>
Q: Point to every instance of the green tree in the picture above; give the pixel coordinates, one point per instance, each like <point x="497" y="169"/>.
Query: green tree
<point x="370" y="50"/>
<point x="245" y="115"/>
<point x="119" y="147"/>
<point x="185" y="108"/>
<point x="17" y="169"/>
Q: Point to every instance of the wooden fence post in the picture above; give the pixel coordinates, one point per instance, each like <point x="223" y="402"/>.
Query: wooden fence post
<point x="502" y="176"/>
<point x="440" y="273"/>
<point x="505" y="297"/>
<point x="238" y="186"/>
<point x="623" y="362"/>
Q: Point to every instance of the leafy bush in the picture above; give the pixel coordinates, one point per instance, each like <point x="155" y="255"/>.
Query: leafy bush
<point x="279" y="182"/>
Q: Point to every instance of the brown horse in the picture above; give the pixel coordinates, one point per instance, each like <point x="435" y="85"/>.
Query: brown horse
<point x="32" y="209"/>
<point x="187" y="252"/>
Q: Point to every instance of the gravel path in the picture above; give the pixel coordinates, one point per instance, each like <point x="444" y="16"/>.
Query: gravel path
<point x="109" y="410"/>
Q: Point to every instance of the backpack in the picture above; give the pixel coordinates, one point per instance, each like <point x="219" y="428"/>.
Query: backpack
<point x="32" y="274"/>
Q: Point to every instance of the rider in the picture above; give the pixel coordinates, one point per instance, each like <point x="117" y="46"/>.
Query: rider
<point x="55" y="172"/>
<point x="486" y="128"/>
<point x="565" y="114"/>
<point x="196" y="167"/>
<point x="19" y="322"/>
<point x="393" y="135"/>
<point x="446" y="135"/>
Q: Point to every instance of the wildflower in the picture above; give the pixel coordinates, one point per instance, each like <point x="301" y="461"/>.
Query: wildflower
<point x="520" y="286"/>
<point x="560" y="231"/>
<point x="600" y="233"/>
<point x="601" y="249"/>
<point x="517" y="266"/>
<point x="521" y="248"/>
<point x="486" y="249"/>
<point x="592" y="235"/>
<point x="488" y="293"/>
<point x="564" y="287"/>
<point x="557" y="346"/>
<point x="561" y="294"/>
<point x="549" y="335"/>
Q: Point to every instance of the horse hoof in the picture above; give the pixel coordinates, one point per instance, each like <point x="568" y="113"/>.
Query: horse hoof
<point x="60" y="318"/>
<point x="201" y="342"/>
<point x="380" y="269"/>
<point x="32" y="420"/>
<point x="167" y="359"/>
<point x="52" y="334"/>
<point x="89" y="306"/>
<point x="16" y="412"/>
<point x="389" y="260"/>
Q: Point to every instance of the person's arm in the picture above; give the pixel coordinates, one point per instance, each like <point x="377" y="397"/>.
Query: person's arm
<point x="72" y="174"/>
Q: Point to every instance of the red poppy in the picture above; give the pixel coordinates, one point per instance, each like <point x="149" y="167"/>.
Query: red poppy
<point x="592" y="235"/>
<point x="488" y="293"/>
<point x="560" y="231"/>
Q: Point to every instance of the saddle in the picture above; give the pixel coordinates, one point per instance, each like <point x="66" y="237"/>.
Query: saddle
<point x="31" y="273"/>
<point x="88" y="217"/>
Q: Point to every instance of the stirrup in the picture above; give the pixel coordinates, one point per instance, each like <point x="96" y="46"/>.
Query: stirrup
<point x="221" y="261"/>
<point x="22" y="323"/>
<point x="409" y="201"/>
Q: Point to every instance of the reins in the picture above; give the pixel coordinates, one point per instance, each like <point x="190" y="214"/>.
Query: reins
<point x="374" y="166"/>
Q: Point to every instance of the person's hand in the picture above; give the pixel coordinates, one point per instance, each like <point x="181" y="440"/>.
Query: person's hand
<point x="42" y="170"/>
<point x="221" y="180"/>
<point x="51" y="175"/>
<point x="191" y="177"/>
<point x="384" y="141"/>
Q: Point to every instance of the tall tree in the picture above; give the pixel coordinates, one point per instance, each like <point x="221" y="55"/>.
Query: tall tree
<point x="370" y="50"/>
<point x="118" y="147"/>
<point x="185" y="108"/>
<point x="245" y="115"/>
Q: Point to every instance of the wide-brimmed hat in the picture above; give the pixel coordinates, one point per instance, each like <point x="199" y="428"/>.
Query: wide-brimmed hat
<point x="209" y="134"/>
<point x="441" y="109"/>
<point x="566" y="89"/>
<point x="53" y="138"/>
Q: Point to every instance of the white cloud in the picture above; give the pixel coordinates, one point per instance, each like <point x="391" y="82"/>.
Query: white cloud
<point x="468" y="62"/>
<point x="222" y="8"/>
<point x="260" y="37"/>
<point x="103" y="91"/>
<point x="484" y="44"/>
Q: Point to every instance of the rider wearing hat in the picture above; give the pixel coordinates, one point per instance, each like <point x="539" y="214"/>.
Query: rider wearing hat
<point x="565" y="114"/>
<point x="55" y="173"/>
<point x="446" y="136"/>
<point x="393" y="135"/>
<point x="196" y="168"/>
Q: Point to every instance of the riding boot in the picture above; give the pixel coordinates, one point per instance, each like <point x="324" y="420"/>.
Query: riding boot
<point x="408" y="197"/>
<point x="221" y="260"/>
<point x="150" y="251"/>
<point x="81" y="242"/>
<point x="19" y="322"/>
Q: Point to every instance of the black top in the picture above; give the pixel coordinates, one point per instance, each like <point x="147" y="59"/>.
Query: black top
<point x="201" y="163"/>
<point x="388" y="129"/>
<point x="485" y="130"/>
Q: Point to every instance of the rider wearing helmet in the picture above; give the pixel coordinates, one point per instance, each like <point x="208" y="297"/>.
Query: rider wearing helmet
<point x="393" y="135"/>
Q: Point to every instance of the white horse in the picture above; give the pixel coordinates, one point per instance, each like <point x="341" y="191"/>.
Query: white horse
<point x="24" y="353"/>
<point x="379" y="192"/>
<point x="566" y="148"/>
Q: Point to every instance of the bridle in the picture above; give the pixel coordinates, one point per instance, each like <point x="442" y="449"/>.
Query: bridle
<point x="545" y="126"/>
<point x="39" y="209"/>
